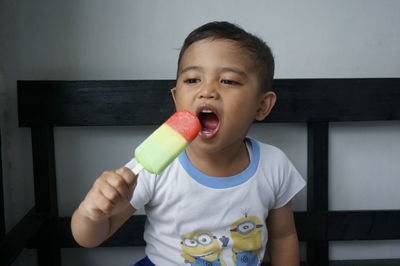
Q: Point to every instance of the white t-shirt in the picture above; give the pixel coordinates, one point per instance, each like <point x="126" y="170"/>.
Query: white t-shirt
<point x="195" y="219"/>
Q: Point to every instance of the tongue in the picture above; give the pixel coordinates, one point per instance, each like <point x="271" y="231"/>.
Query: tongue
<point x="209" y="122"/>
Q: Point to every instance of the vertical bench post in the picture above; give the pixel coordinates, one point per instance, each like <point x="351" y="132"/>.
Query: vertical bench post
<point x="2" y="216"/>
<point x="317" y="188"/>
<point x="46" y="193"/>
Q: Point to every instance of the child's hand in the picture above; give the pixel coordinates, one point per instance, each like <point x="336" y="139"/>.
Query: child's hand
<point x="110" y="194"/>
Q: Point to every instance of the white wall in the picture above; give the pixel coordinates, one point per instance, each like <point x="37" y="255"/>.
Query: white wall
<point x="87" y="39"/>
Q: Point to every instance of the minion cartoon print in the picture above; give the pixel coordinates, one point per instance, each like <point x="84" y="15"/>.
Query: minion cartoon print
<point x="246" y="234"/>
<point x="201" y="248"/>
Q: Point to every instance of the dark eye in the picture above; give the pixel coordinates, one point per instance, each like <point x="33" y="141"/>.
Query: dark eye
<point x="192" y="81"/>
<point x="229" y="82"/>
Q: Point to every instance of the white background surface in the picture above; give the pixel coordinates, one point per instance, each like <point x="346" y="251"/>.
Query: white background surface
<point x="88" y="39"/>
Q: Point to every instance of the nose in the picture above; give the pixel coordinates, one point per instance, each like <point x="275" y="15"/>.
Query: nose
<point x="208" y="91"/>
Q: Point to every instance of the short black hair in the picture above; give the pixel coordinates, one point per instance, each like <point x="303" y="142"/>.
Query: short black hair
<point x="257" y="48"/>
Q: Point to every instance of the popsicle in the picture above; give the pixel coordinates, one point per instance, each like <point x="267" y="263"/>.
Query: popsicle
<point x="158" y="150"/>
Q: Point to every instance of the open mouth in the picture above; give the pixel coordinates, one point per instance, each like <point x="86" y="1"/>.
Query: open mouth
<point x="209" y="122"/>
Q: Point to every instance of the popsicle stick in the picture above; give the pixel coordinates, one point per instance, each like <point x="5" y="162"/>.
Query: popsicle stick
<point x="138" y="167"/>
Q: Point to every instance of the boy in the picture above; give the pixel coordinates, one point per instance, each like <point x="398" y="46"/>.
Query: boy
<point x="221" y="200"/>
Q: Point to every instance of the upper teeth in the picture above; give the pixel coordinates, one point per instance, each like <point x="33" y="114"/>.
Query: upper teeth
<point x="206" y="111"/>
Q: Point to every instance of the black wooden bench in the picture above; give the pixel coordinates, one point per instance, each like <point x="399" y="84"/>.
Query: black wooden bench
<point x="43" y="105"/>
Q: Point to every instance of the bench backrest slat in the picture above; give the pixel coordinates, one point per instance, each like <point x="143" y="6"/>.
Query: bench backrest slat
<point x="149" y="102"/>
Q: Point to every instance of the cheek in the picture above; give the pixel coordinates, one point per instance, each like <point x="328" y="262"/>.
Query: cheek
<point x="181" y="104"/>
<point x="244" y="106"/>
<point x="184" y="99"/>
<point x="178" y="99"/>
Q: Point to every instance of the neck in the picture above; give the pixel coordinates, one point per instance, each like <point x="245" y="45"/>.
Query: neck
<point x="223" y="163"/>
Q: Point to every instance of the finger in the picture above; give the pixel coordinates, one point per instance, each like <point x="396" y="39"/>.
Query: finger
<point x="104" y="204"/>
<point x="128" y="175"/>
<point x="93" y="211"/>
<point x="119" y="183"/>
<point x="110" y="192"/>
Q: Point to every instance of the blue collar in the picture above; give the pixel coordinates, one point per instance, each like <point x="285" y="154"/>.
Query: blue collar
<point x="224" y="182"/>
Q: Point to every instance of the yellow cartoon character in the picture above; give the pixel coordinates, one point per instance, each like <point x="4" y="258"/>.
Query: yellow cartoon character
<point x="246" y="234"/>
<point x="202" y="248"/>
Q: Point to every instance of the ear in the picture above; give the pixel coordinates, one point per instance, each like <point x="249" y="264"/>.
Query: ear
<point x="265" y="106"/>
<point x="173" y="92"/>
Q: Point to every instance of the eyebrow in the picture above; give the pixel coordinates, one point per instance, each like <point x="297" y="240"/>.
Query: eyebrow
<point x="234" y="70"/>
<point x="223" y="69"/>
<point x="186" y="69"/>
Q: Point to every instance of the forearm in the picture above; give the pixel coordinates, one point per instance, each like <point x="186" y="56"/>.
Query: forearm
<point x="89" y="233"/>
<point x="284" y="251"/>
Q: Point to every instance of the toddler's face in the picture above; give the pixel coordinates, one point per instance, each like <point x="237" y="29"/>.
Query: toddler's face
<point x="219" y="83"/>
